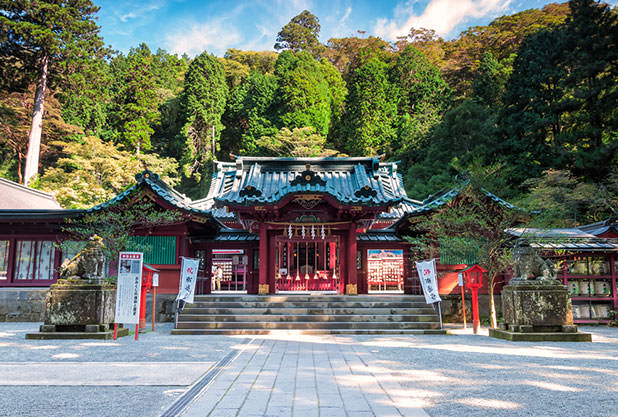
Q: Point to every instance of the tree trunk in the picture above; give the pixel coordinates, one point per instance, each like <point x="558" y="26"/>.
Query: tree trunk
<point x="493" y="320"/>
<point x="34" y="139"/>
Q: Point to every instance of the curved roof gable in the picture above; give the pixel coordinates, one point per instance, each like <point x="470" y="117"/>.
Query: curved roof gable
<point x="263" y="180"/>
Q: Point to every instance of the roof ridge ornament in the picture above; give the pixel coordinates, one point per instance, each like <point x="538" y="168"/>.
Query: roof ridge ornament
<point x="308" y="177"/>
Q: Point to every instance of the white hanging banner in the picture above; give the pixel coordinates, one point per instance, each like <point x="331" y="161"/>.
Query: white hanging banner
<point x="429" y="282"/>
<point x="188" y="277"/>
<point x="128" y="287"/>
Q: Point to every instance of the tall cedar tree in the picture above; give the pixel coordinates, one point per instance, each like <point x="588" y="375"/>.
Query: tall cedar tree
<point x="304" y="95"/>
<point x="371" y="111"/>
<point x="135" y="99"/>
<point x="590" y="88"/>
<point x="301" y="34"/>
<point x="203" y="99"/>
<point x="36" y="37"/>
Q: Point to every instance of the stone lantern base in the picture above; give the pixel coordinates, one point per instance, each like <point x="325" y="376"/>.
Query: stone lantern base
<point x="79" y="309"/>
<point x="537" y="310"/>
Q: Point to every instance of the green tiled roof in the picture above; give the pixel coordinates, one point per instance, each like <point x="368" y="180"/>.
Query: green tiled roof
<point x="260" y="180"/>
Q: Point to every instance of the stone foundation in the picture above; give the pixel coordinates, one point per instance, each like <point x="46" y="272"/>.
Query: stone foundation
<point x="22" y="304"/>
<point x="537" y="310"/>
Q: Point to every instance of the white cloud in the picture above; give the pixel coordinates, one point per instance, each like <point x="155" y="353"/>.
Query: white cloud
<point x="139" y="11"/>
<point x="440" y="15"/>
<point x="214" y="36"/>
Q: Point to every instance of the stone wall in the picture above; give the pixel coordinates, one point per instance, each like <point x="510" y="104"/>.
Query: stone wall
<point x="164" y="307"/>
<point x="22" y="304"/>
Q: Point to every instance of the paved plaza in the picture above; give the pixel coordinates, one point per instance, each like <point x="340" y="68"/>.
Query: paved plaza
<point x="288" y="374"/>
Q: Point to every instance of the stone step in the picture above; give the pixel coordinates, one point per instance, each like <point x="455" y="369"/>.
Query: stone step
<point x="307" y="304"/>
<point x="325" y="317"/>
<point x="307" y="311"/>
<point x="319" y="297"/>
<point x="306" y="325"/>
<point x="307" y="331"/>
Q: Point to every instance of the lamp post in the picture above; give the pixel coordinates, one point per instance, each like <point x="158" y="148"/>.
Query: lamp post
<point x="473" y="278"/>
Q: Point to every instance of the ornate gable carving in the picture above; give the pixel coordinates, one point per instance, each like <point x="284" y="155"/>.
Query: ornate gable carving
<point x="366" y="191"/>
<point x="250" y="191"/>
<point x="308" y="177"/>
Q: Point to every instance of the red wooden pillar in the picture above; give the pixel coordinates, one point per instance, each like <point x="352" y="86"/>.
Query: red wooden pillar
<point x="351" y="287"/>
<point x="271" y="265"/>
<point x="408" y="272"/>
<point x="263" y="256"/>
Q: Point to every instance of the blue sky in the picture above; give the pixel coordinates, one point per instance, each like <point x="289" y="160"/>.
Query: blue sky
<point x="192" y="26"/>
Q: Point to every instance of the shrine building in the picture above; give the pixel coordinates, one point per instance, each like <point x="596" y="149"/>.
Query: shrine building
<point x="271" y="224"/>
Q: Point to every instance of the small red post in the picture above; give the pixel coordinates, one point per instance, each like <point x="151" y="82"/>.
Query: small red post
<point x="142" y="307"/>
<point x="115" y="330"/>
<point x="136" y="331"/>
<point x="463" y="306"/>
<point x="475" y="310"/>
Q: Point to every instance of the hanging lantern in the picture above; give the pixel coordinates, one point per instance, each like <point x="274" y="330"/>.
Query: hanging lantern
<point x="312" y="232"/>
<point x="323" y="236"/>
<point x="303" y="231"/>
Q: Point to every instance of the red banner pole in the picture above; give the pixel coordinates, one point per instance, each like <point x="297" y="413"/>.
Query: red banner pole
<point x="136" y="331"/>
<point x="115" y="330"/>
<point x="463" y="304"/>
<point x="475" y="310"/>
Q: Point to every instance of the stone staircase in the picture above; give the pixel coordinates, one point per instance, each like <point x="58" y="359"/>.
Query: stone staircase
<point x="308" y="314"/>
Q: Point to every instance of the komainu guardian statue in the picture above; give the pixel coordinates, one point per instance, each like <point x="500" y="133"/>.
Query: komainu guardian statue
<point x="529" y="265"/>
<point x="89" y="263"/>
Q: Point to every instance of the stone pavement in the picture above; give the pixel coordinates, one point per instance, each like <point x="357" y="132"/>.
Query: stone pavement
<point x="304" y="378"/>
<point x="286" y="374"/>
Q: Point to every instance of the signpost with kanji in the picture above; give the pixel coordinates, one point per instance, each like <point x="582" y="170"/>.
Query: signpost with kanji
<point x="128" y="290"/>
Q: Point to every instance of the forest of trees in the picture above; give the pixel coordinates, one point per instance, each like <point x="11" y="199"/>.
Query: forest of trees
<point x="528" y="103"/>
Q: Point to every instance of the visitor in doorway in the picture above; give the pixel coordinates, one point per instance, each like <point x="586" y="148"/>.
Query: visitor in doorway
<point x="218" y="277"/>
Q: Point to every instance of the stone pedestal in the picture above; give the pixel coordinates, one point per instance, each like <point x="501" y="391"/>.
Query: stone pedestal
<point x="537" y="310"/>
<point x="78" y="309"/>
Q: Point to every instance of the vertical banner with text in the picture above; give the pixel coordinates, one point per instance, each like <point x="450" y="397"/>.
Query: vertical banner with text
<point x="188" y="277"/>
<point x="427" y="275"/>
<point x="128" y="288"/>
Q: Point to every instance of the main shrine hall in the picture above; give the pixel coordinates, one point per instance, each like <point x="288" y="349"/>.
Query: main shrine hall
<point x="270" y="225"/>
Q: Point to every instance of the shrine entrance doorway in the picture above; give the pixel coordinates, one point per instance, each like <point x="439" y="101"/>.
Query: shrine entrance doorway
<point x="305" y="264"/>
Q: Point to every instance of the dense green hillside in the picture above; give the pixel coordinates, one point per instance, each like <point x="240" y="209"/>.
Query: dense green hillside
<point x="527" y="104"/>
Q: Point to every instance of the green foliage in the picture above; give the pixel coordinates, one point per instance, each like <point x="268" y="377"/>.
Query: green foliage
<point x="492" y="76"/>
<point x="559" y="110"/>
<point x="347" y="54"/>
<point x="465" y="136"/>
<point x="63" y="31"/>
<point x="371" y="110"/>
<point x="300" y="142"/>
<point x="135" y="98"/>
<point x="565" y="201"/>
<point x="590" y="91"/>
<point x="424" y="96"/>
<point x="262" y="62"/>
<point x="301" y="34"/>
<point x="529" y="119"/>
<point x="203" y="100"/>
<point x="116" y="224"/>
<point x="89" y="172"/>
<point x="502" y="38"/>
<point x="250" y="114"/>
